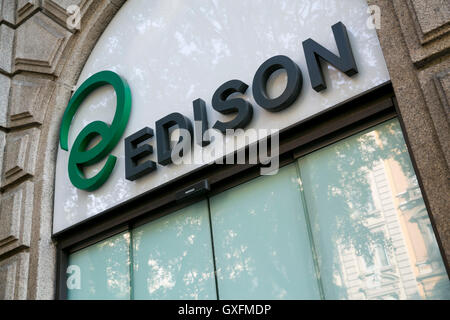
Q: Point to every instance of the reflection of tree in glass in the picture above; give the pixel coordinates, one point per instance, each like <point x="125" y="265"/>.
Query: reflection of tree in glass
<point x="172" y="256"/>
<point x="342" y="182"/>
<point x="117" y="275"/>
<point x="104" y="269"/>
<point x="350" y="190"/>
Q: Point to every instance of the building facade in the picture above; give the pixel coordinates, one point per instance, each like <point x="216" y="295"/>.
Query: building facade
<point x="365" y="182"/>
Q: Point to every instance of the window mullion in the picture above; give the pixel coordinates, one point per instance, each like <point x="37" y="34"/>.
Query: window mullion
<point x="310" y="234"/>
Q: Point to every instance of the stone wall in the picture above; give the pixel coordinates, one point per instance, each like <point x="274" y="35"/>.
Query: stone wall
<point x="41" y="59"/>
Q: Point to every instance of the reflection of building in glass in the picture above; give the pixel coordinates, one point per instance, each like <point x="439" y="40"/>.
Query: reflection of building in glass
<point x="411" y="268"/>
<point x="429" y="270"/>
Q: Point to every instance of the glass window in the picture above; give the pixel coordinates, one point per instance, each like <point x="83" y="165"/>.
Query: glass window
<point x="261" y="240"/>
<point x="337" y="193"/>
<point x="173" y="258"/>
<point x="101" y="271"/>
<point x="347" y="221"/>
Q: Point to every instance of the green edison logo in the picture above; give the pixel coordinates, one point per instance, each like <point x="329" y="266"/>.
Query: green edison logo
<point x="110" y="135"/>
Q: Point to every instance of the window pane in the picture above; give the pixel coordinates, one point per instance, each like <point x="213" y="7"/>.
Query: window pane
<point x="261" y="240"/>
<point x="370" y="225"/>
<point x="100" y="271"/>
<point x="173" y="256"/>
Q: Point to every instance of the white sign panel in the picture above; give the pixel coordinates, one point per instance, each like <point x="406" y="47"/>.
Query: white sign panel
<point x="174" y="52"/>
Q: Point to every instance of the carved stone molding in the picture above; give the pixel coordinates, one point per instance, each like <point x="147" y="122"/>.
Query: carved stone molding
<point x="426" y="28"/>
<point x="20" y="155"/>
<point x="431" y="17"/>
<point x="435" y="83"/>
<point x="7" y="11"/>
<point x="2" y="151"/>
<point x="14" y="277"/>
<point x="29" y="99"/>
<point x="57" y="9"/>
<point x="442" y="82"/>
<point x="5" y="85"/>
<point x="6" y="47"/>
<point x="39" y="44"/>
<point x="26" y="8"/>
<point x="16" y="208"/>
